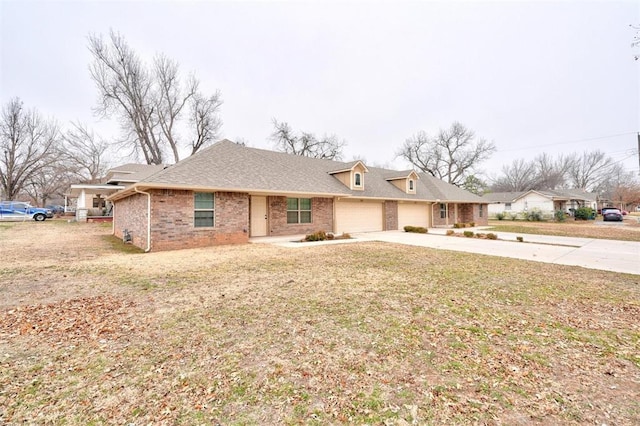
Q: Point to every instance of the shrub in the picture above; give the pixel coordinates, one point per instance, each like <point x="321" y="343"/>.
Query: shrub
<point x="458" y="225"/>
<point x="584" y="213"/>
<point x="501" y="215"/>
<point x="533" y="215"/>
<point x="559" y="216"/>
<point x="472" y="224"/>
<point x="468" y="234"/>
<point x="345" y="236"/>
<point x="416" y="229"/>
<point x="450" y="232"/>
<point x="330" y="236"/>
<point x="513" y="216"/>
<point x="480" y="235"/>
<point x="316" y="236"/>
<point x="519" y="239"/>
<point x="492" y="236"/>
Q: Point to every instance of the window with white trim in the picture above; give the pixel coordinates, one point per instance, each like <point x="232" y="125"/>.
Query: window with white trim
<point x="481" y="210"/>
<point x="357" y="177"/>
<point x="411" y="187"/>
<point x="204" y="209"/>
<point x="507" y="206"/>
<point x="298" y="210"/>
<point x="443" y="211"/>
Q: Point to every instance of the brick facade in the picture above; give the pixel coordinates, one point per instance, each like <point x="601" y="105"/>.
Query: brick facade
<point x="321" y="217"/>
<point x="390" y="215"/>
<point x="131" y="214"/>
<point x="172" y="220"/>
<point x="461" y="213"/>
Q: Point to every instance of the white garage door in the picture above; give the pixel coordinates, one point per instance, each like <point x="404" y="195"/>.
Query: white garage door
<point x="413" y="215"/>
<point x="358" y="216"/>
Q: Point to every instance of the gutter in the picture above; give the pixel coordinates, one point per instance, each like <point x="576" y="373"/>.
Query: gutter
<point x="148" y="249"/>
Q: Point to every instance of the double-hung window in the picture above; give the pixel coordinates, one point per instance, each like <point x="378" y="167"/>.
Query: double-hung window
<point x="298" y="210"/>
<point x="204" y="209"/>
<point x="443" y="211"/>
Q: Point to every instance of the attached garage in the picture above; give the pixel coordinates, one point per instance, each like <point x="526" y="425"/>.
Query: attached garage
<point x="413" y="215"/>
<point x="359" y="216"/>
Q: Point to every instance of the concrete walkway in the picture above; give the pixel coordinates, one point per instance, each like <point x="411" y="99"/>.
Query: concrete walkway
<point x="606" y="255"/>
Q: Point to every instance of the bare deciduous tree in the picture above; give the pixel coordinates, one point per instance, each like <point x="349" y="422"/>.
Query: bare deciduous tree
<point x="590" y="170"/>
<point x="451" y="156"/>
<point x="84" y="153"/>
<point x="27" y="145"/>
<point x="149" y="101"/>
<point x="520" y="175"/>
<point x="550" y="173"/>
<point x="204" y="120"/>
<point x="306" y="144"/>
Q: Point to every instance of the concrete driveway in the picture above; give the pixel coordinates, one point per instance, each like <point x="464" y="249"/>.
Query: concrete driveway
<point x="606" y="255"/>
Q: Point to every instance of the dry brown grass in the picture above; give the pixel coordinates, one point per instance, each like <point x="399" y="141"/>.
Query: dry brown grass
<point x="628" y="231"/>
<point x="356" y="333"/>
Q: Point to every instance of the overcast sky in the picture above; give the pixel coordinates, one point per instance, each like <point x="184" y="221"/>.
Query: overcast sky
<point x="530" y="76"/>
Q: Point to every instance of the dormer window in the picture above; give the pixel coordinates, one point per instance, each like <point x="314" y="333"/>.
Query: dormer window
<point x="411" y="185"/>
<point x="358" y="179"/>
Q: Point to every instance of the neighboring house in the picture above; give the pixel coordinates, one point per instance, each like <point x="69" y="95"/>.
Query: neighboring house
<point x="228" y="193"/>
<point x="545" y="201"/>
<point x="89" y="200"/>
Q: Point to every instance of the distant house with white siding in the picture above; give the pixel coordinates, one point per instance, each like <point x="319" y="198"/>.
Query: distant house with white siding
<point x="546" y="201"/>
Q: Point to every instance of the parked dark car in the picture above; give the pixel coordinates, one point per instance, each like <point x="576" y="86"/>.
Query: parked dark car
<point x="56" y="209"/>
<point x="614" y="215"/>
<point x="18" y="210"/>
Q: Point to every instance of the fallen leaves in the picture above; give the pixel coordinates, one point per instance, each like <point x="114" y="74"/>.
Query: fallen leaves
<point x="71" y="320"/>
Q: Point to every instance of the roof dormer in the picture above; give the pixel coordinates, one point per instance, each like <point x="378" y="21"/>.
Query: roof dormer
<point x="406" y="181"/>
<point x="352" y="175"/>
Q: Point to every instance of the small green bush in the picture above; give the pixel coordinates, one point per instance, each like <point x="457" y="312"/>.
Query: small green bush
<point x="458" y="225"/>
<point x="468" y="234"/>
<point x="450" y="232"/>
<point x="492" y="236"/>
<point x="513" y="216"/>
<point x="584" y="213"/>
<point x="417" y="229"/>
<point x="559" y="216"/>
<point x="501" y="215"/>
<point x="534" y="215"/>
<point x="472" y="224"/>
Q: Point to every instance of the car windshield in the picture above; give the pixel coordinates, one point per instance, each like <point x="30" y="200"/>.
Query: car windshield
<point x="612" y="211"/>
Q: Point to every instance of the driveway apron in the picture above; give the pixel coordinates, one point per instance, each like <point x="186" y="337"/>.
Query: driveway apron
<point x="606" y="255"/>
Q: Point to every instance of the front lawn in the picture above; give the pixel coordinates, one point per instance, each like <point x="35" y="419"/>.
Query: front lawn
<point x="628" y="231"/>
<point x="364" y="333"/>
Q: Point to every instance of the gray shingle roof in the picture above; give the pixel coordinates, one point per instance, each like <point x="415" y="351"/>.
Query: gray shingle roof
<point x="502" y="197"/>
<point x="568" y="194"/>
<point x="232" y="167"/>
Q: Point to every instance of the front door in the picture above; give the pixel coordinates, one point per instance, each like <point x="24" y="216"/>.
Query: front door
<point x="258" y="216"/>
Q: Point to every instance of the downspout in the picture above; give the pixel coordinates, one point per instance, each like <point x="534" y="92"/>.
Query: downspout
<point x="148" y="249"/>
<point x="113" y="218"/>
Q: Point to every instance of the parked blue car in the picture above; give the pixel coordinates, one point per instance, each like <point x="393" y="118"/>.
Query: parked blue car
<point x="18" y="210"/>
